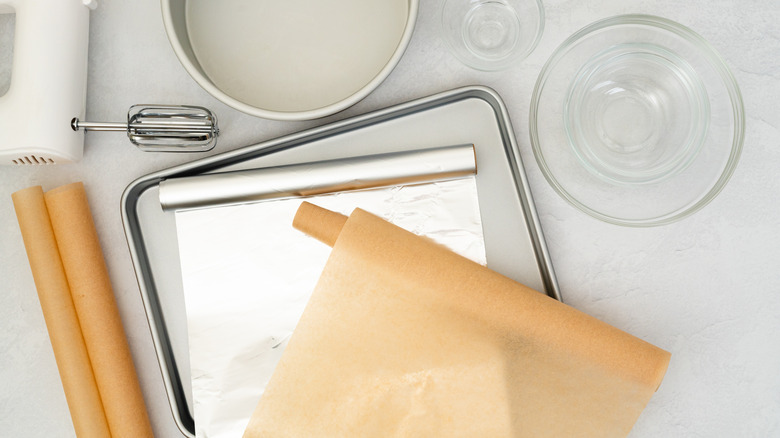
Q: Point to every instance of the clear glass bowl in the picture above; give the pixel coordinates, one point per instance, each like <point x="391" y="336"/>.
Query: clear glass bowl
<point x="491" y="35"/>
<point x="637" y="120"/>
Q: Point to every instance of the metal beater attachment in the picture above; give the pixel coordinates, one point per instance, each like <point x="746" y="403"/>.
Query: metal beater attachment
<point x="163" y="128"/>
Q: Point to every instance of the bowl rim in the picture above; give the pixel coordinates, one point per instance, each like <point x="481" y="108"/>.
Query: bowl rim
<point x="457" y="47"/>
<point x="315" y="113"/>
<point x="717" y="62"/>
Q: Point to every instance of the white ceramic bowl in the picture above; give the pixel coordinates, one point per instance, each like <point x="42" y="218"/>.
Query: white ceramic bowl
<point x="295" y="60"/>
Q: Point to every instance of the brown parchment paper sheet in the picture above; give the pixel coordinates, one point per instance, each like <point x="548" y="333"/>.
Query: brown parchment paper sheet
<point x="264" y="272"/>
<point x="402" y="337"/>
<point x="70" y="351"/>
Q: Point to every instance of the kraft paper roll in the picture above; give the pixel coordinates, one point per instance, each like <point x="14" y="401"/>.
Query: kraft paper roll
<point x="70" y="351"/>
<point x="402" y="337"/>
<point x="98" y="314"/>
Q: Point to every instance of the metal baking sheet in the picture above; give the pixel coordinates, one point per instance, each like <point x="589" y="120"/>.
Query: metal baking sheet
<point x="513" y="237"/>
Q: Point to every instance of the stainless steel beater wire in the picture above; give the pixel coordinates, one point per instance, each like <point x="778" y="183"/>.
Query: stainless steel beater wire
<point x="98" y="126"/>
<point x="110" y="126"/>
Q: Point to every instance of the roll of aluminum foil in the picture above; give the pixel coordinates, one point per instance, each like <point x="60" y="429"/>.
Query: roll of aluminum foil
<point x="307" y="179"/>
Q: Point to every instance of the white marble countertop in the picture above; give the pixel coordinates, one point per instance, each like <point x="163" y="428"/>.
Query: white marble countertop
<point x="703" y="288"/>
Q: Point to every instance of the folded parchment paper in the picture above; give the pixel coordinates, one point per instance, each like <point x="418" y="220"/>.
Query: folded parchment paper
<point x="403" y="337"/>
<point x="247" y="276"/>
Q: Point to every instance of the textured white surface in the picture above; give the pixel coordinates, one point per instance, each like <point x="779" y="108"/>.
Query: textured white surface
<point x="703" y="288"/>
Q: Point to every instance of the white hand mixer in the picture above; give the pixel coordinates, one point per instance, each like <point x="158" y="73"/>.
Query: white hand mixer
<point x="40" y="112"/>
<point x="48" y="82"/>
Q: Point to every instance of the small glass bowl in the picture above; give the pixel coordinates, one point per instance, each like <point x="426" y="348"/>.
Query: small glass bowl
<point x="491" y="35"/>
<point x="636" y="120"/>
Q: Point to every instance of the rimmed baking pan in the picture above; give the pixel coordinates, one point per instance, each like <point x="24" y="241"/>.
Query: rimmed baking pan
<point x="475" y="115"/>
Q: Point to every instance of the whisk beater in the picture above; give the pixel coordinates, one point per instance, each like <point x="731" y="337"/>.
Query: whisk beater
<point x="163" y="128"/>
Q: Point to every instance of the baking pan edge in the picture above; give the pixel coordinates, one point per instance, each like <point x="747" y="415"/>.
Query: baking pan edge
<point x="144" y="275"/>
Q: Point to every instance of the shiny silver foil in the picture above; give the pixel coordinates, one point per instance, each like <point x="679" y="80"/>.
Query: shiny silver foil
<point x="247" y="275"/>
<point x="307" y="179"/>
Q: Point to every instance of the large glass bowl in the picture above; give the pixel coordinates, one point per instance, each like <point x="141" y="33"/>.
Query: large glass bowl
<point x="637" y="120"/>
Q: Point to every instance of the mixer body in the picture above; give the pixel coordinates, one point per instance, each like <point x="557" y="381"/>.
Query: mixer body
<point x="48" y="82"/>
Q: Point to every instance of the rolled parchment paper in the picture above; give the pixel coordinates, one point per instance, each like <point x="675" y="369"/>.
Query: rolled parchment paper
<point x="308" y="179"/>
<point x="404" y="338"/>
<point x="101" y="324"/>
<point x="70" y="351"/>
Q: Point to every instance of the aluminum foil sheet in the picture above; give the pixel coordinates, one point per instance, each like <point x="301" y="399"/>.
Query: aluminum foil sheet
<point x="247" y="276"/>
<point x="308" y="179"/>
